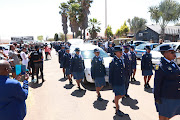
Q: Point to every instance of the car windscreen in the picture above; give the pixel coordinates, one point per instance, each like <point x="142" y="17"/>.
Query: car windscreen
<point x="156" y="48"/>
<point x="141" y="46"/>
<point x="89" y="54"/>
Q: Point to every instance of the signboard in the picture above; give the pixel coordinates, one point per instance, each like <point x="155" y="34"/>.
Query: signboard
<point x="26" y="38"/>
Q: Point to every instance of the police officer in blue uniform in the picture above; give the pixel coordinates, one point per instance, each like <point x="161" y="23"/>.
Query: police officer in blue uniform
<point x="110" y="49"/>
<point x="102" y="46"/>
<point x="167" y="84"/>
<point x="133" y="63"/>
<point x="98" y="73"/>
<point x="77" y="67"/>
<point x="146" y="67"/>
<point x="117" y="77"/>
<point x="127" y="62"/>
<point x="67" y="63"/>
<point x="61" y="58"/>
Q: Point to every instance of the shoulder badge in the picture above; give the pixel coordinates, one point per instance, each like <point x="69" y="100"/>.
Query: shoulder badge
<point x="169" y="68"/>
<point x="157" y="67"/>
<point x="110" y="61"/>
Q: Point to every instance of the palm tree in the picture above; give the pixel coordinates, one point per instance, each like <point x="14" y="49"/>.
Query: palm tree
<point x="73" y="17"/>
<point x="167" y="11"/>
<point x="94" y="27"/>
<point x="83" y="16"/>
<point x="63" y="11"/>
<point x="155" y="15"/>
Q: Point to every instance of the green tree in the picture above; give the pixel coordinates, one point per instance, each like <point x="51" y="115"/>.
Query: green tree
<point x="73" y="13"/>
<point x="108" y="32"/>
<point x="94" y="27"/>
<point x="62" y="37"/>
<point x="56" y="37"/>
<point x="137" y="24"/>
<point x="64" y="13"/>
<point x="83" y="15"/>
<point x="118" y="33"/>
<point x="124" y="29"/>
<point x="155" y="15"/>
<point x="167" y="11"/>
<point x="40" y="37"/>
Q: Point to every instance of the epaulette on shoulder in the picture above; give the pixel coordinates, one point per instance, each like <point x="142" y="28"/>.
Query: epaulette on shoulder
<point x="157" y="67"/>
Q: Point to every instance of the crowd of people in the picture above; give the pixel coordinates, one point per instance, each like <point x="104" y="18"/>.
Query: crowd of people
<point x="122" y="70"/>
<point x="12" y="95"/>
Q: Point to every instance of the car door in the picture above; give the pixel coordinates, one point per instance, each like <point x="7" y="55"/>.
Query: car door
<point x="177" y="60"/>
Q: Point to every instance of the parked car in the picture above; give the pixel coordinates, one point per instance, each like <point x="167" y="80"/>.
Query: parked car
<point x="87" y="52"/>
<point x="5" y="48"/>
<point x="156" y="55"/>
<point x="137" y="43"/>
<point x="140" y="50"/>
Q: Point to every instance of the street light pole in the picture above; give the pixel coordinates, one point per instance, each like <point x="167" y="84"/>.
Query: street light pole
<point x="105" y="14"/>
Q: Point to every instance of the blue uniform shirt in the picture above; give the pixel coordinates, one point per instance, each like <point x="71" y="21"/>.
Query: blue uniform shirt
<point x="167" y="80"/>
<point x="127" y="61"/>
<point x="12" y="99"/>
<point x="133" y="58"/>
<point x="110" y="50"/>
<point x="67" y="60"/>
<point x="61" y="55"/>
<point x="77" y="64"/>
<point x="116" y="72"/>
<point x="146" y="62"/>
<point x="97" y="67"/>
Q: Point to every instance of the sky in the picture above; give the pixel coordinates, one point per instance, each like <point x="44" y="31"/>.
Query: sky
<point x="41" y="17"/>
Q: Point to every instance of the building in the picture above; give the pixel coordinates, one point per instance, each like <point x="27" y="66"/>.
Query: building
<point x="152" y="32"/>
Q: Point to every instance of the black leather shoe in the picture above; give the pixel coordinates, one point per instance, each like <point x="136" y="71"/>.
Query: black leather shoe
<point x="119" y="113"/>
<point x="127" y="96"/>
<point x="148" y="85"/>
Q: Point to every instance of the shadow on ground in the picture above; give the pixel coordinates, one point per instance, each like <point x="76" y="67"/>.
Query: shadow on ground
<point x="62" y="79"/>
<point x="135" y="82"/>
<point x="35" y="85"/>
<point x="125" y="117"/>
<point x="91" y="87"/>
<point x="132" y="103"/>
<point x="149" y="90"/>
<point x="78" y="93"/>
<point x="100" y="105"/>
<point x="69" y="86"/>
